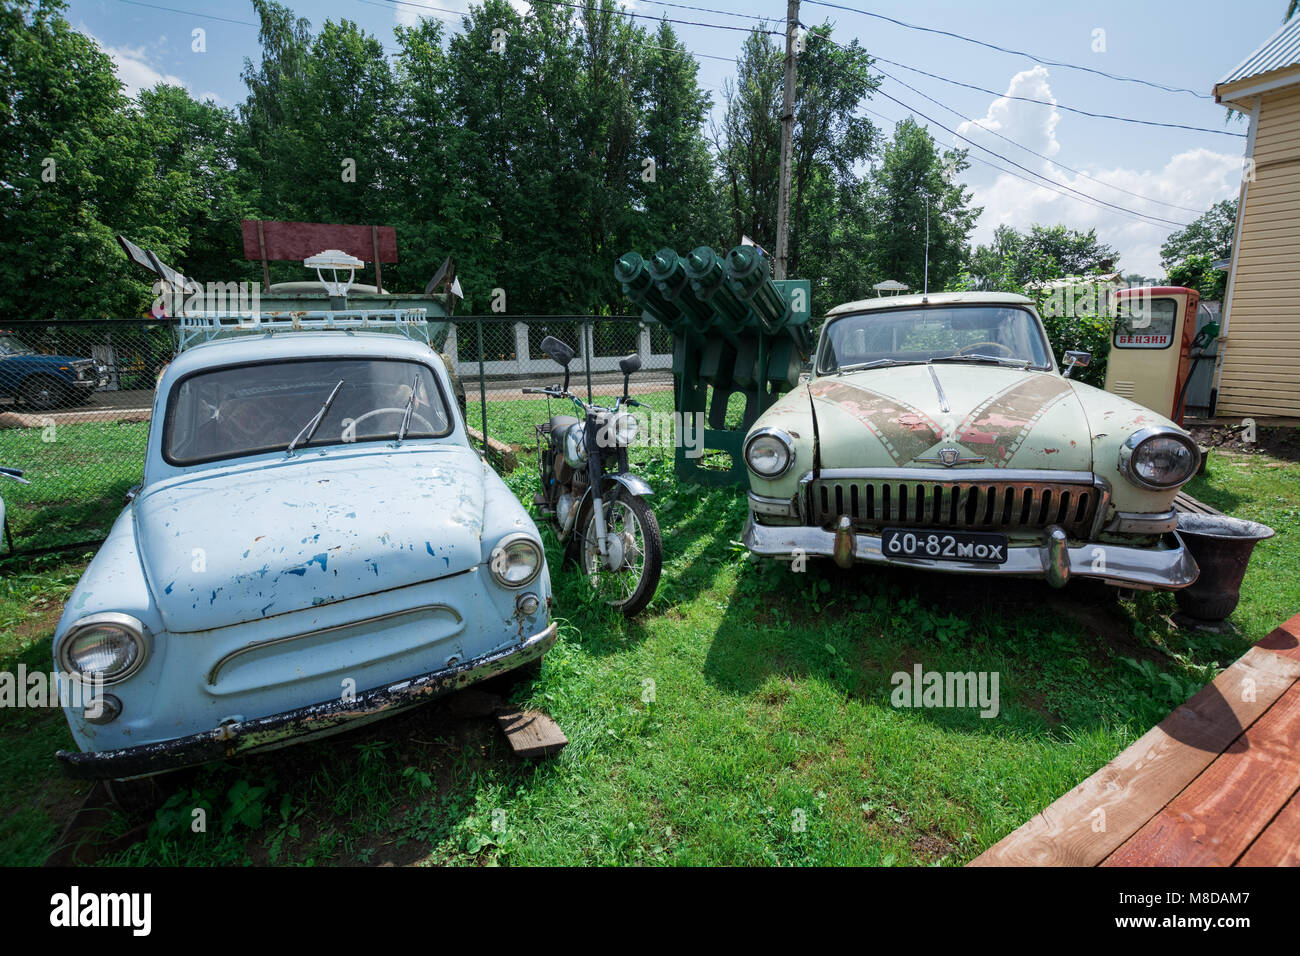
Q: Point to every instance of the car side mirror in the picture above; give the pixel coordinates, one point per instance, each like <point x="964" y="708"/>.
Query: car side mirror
<point x="1081" y="359"/>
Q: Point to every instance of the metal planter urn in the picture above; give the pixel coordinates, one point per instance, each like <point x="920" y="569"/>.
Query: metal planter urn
<point x="1222" y="546"/>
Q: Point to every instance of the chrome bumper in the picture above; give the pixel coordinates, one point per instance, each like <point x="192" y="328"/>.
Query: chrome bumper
<point x="302" y="724"/>
<point x="1168" y="566"/>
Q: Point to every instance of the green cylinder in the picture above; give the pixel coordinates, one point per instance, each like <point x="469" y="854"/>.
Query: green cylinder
<point x="749" y="278"/>
<point x="669" y="275"/>
<point x="632" y="273"/>
<point x="709" y="280"/>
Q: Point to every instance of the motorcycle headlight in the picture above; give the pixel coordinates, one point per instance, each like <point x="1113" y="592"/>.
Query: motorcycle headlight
<point x="1158" y="459"/>
<point x="516" y="561"/>
<point x="575" y="445"/>
<point x="769" y="453"/>
<point x="111" y="645"/>
<point x="624" y="428"/>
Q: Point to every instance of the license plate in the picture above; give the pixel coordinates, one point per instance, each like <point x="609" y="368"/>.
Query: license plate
<point x="981" y="546"/>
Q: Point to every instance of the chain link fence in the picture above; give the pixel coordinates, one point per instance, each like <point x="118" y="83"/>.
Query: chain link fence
<point x="76" y="399"/>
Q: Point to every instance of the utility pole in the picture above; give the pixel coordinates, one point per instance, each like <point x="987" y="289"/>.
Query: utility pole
<point x="787" y="141"/>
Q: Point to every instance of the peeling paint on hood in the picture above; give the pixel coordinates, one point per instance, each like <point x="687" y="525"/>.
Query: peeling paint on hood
<point x="220" y="549"/>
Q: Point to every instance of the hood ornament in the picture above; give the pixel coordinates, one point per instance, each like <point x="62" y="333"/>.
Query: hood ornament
<point x="949" y="456"/>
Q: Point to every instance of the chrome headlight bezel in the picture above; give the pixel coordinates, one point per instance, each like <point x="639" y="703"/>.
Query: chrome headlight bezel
<point x="131" y="626"/>
<point x="502" y="551"/>
<point x="1129" y="457"/>
<point x="575" y="445"/>
<point x="624" y="429"/>
<point x="781" y="440"/>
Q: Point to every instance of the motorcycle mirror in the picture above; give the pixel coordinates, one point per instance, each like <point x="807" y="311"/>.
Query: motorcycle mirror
<point x="628" y="364"/>
<point x="558" y="351"/>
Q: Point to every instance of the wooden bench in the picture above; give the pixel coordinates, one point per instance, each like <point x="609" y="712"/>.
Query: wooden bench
<point x="1216" y="783"/>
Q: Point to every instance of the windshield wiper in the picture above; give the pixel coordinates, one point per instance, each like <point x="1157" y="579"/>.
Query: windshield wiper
<point x="309" y="430"/>
<point x="410" y="409"/>
<point x="977" y="357"/>
<point x="874" y="363"/>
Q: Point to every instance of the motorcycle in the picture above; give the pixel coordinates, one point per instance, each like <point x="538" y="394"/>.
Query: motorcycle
<point x="17" y="476"/>
<point x="596" y="505"/>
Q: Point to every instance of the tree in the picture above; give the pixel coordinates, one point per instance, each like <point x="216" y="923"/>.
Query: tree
<point x="1189" y="254"/>
<point x="77" y="166"/>
<point x="1014" y="259"/>
<point x="912" y="173"/>
<point x="830" y="145"/>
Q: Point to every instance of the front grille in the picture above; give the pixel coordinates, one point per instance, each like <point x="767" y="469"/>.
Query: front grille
<point x="973" y="503"/>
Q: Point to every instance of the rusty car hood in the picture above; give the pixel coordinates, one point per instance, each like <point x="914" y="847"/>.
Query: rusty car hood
<point x="1008" y="417"/>
<point x="249" y="542"/>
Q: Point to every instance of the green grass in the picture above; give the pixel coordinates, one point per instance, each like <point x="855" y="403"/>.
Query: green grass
<point x="744" y="718"/>
<point x="79" y="475"/>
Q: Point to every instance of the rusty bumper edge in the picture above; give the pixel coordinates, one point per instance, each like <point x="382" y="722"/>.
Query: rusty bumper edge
<point x="310" y="721"/>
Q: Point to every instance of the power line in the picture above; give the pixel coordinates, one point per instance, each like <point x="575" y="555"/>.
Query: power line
<point x="626" y="13"/>
<point x="1003" y="49"/>
<point x="190" y="13"/>
<point x="1070" y="109"/>
<point x="1004" y="170"/>
<point x="1077" y="172"/>
<point x="1057" y="186"/>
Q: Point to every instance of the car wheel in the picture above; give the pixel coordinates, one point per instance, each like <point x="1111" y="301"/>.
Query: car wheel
<point x="42" y="392"/>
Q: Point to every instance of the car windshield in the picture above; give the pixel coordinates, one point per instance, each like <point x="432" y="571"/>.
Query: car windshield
<point x="923" y="334"/>
<point x="252" y="409"/>
<point x="12" y="346"/>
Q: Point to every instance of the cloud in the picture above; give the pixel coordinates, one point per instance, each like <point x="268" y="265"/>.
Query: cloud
<point x="134" y="70"/>
<point x="1194" y="178"/>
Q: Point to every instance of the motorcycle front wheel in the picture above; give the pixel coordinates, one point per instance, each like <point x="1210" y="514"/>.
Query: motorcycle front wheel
<point x="638" y="552"/>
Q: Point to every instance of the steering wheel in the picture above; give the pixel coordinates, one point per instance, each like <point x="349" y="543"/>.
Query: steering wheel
<point x="997" y="345"/>
<point x="352" y="425"/>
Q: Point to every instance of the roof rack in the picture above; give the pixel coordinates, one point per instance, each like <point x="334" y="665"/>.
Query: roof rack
<point x="197" y="328"/>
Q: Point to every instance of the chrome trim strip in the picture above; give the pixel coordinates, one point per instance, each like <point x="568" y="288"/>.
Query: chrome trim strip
<point x="259" y="645"/>
<point x="956" y="474"/>
<point x="783" y="507"/>
<point x="1132" y="522"/>
<point x="943" y="399"/>
<point x="1168" y="566"/>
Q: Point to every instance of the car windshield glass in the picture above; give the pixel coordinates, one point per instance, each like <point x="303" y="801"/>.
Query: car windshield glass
<point x="923" y="334"/>
<point x="248" y="410"/>
<point x="12" y="346"/>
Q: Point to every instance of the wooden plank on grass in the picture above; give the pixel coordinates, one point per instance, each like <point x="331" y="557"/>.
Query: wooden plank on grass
<point x="1215" y="820"/>
<point x="1279" y="844"/>
<point x="531" y="733"/>
<point x="1090" y="822"/>
<point x="1186" y="503"/>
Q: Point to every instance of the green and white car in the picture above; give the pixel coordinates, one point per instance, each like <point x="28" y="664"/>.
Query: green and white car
<point x="938" y="433"/>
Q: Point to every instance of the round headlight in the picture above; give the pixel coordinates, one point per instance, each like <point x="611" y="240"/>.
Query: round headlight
<point x="516" y="561"/>
<point x="1158" y="459"/>
<point x="769" y="453"/>
<point x="113" y="646"/>
<point x="624" y="428"/>
<point x="575" y="445"/>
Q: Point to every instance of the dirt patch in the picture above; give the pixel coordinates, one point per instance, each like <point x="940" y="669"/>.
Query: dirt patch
<point x="1278" y="441"/>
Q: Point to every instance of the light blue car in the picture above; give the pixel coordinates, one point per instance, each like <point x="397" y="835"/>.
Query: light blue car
<point x="314" y="545"/>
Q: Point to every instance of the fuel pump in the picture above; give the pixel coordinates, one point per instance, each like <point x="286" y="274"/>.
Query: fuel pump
<point x="1150" y="358"/>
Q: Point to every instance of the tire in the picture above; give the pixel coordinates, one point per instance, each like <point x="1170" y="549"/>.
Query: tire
<point x="630" y="601"/>
<point x="42" y="392"/>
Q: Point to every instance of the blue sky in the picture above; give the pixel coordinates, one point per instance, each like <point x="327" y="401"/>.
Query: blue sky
<point x="1189" y="44"/>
